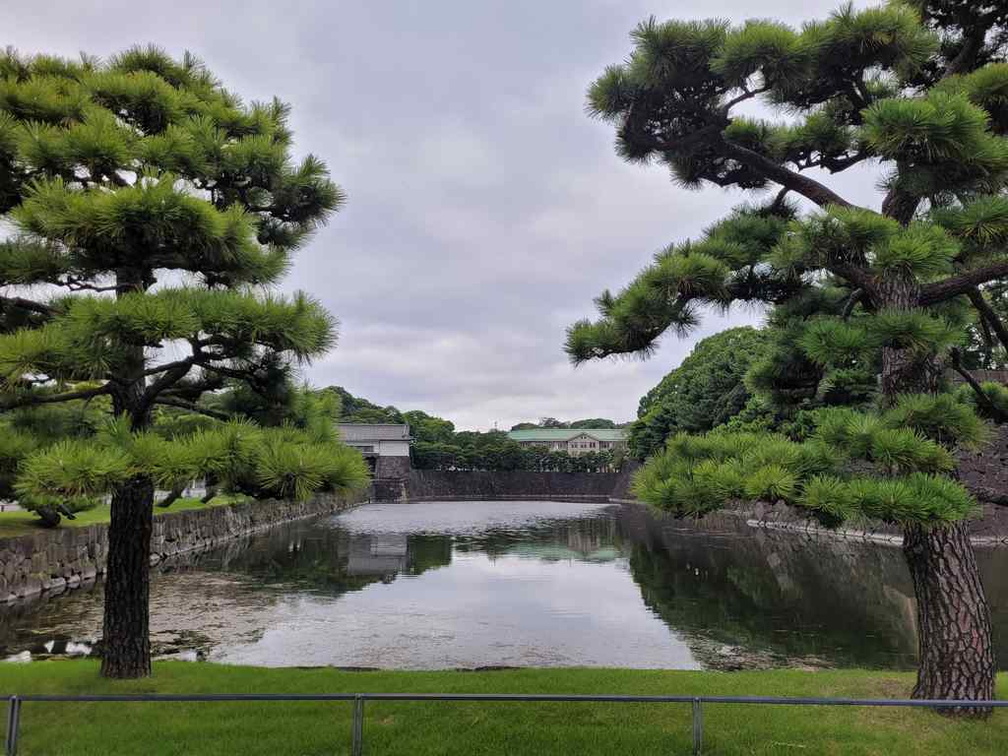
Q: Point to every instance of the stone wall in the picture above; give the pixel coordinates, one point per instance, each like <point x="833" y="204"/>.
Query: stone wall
<point x="61" y="558"/>
<point x="984" y="472"/>
<point x="388" y="489"/>
<point x="392" y="467"/>
<point x="518" y="484"/>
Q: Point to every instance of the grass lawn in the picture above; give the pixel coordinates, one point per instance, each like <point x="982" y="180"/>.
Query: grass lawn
<point x="23" y="522"/>
<point x="416" y="729"/>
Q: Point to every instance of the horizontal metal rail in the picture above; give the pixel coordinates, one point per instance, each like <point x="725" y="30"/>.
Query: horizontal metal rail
<point x="15" y="702"/>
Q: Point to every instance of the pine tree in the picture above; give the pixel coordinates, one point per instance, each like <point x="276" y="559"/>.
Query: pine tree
<point x="150" y="209"/>
<point x="863" y="297"/>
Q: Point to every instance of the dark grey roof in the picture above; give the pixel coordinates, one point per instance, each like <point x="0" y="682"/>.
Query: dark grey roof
<point x="358" y="432"/>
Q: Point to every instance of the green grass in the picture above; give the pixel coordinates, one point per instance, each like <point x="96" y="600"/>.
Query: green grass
<point x="23" y="522"/>
<point x="543" y="729"/>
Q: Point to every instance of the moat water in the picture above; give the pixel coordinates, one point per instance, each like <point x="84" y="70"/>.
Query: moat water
<point x="482" y="584"/>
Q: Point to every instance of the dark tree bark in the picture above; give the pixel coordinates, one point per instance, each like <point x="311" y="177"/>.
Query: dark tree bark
<point x="953" y="617"/>
<point x="126" y="637"/>
<point x="904" y="371"/>
<point x="989" y="316"/>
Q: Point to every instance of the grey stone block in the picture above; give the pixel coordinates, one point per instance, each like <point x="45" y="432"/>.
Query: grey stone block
<point x="56" y="585"/>
<point x="31" y="586"/>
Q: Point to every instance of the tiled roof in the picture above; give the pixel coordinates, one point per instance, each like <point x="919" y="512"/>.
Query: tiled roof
<point x="373" y="431"/>
<point x="566" y="434"/>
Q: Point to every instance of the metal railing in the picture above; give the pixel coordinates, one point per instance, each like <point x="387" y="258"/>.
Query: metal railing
<point x="15" y="702"/>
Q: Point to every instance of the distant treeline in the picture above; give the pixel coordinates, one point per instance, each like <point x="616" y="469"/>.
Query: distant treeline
<point x="438" y="446"/>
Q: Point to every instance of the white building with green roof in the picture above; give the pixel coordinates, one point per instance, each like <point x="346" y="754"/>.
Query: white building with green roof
<point x="573" y="441"/>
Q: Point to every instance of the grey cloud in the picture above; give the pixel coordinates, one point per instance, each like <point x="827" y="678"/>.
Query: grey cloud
<point x="486" y="210"/>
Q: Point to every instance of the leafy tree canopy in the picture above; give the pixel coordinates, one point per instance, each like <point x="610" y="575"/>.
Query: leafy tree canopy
<point x="870" y="303"/>
<point x="705" y="391"/>
<point x="356" y="409"/>
<point x="851" y="288"/>
<point x="552" y="422"/>
<point x="146" y="212"/>
<point x="148" y="199"/>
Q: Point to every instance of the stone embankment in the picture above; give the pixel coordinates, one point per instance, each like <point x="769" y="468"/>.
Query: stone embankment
<point x="54" y="560"/>
<point x="428" y="485"/>
<point x="61" y="558"/>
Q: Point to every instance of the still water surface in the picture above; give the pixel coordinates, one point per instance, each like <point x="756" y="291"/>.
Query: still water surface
<point x="474" y="584"/>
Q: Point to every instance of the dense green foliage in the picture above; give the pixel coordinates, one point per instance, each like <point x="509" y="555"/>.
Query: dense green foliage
<point x="150" y="201"/>
<point x="854" y="465"/>
<point x="355" y="409"/>
<point x="705" y="391"/>
<point x="471" y="729"/>
<point x="866" y="306"/>
<point x="438" y="446"/>
<point x="147" y="212"/>
<point x="552" y="422"/>
<point x="471" y="450"/>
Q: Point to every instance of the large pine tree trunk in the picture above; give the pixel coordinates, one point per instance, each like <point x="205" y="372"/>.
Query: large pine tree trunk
<point x="126" y="637"/>
<point x="953" y="618"/>
<point x="954" y="627"/>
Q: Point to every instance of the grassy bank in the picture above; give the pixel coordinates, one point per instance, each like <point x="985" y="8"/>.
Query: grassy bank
<point x="416" y="729"/>
<point x="22" y="522"/>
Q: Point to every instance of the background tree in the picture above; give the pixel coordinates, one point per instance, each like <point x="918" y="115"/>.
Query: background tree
<point x="424" y="427"/>
<point x="705" y="391"/>
<point x="552" y="422"/>
<point x="356" y="409"/>
<point x="593" y="422"/>
<point x="881" y="292"/>
<point x="149" y="209"/>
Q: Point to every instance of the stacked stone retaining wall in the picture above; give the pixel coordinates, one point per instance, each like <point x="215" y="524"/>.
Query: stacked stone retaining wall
<point x="440" y="485"/>
<point x="60" y="558"/>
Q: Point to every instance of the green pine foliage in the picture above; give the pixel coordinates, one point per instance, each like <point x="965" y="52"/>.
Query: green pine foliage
<point x="853" y="465"/>
<point x="158" y="209"/>
<point x="996" y="393"/>
<point x="864" y="307"/>
<point x="281" y="462"/>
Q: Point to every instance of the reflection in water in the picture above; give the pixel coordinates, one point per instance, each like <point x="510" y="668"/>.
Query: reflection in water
<point x="469" y="584"/>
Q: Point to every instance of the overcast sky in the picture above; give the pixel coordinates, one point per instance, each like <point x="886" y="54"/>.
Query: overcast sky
<point x="485" y="209"/>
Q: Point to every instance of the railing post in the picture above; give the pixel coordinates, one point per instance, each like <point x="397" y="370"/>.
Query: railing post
<point x="697" y="727"/>
<point x="357" y="738"/>
<point x="13" y="721"/>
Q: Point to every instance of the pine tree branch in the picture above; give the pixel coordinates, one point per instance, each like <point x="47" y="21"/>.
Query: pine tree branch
<point x="166" y="381"/>
<point x="32" y="306"/>
<point x="859" y="277"/>
<point x="76" y="284"/>
<point x="646" y="139"/>
<point x="187" y="362"/>
<point x="988" y="316"/>
<point x="171" y="497"/>
<point x="194" y="388"/>
<point x="171" y="373"/>
<point x="747" y="94"/>
<point x="954" y="286"/>
<point x="169" y="401"/>
<point x="981" y="395"/>
<point x="852" y="301"/>
<point x="900" y="205"/>
<point x="972" y="45"/>
<point x="809" y="188"/>
<point x="29" y="400"/>
<point x="838" y="164"/>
